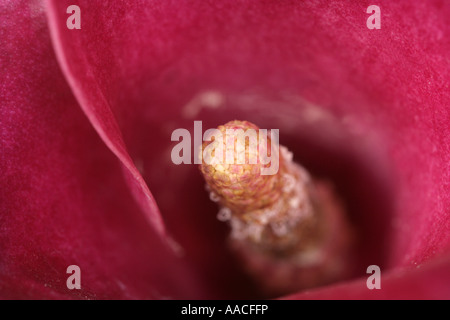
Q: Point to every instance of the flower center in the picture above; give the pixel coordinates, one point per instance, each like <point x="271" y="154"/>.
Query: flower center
<point x="289" y="229"/>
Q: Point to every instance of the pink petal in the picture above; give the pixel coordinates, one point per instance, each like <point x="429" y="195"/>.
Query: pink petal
<point x="88" y="92"/>
<point x="384" y="92"/>
<point x="383" y="116"/>
<point x="64" y="200"/>
<point x="428" y="281"/>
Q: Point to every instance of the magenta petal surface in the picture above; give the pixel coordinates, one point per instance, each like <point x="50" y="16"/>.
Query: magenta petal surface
<point x="427" y="281"/>
<point x="63" y="198"/>
<point x="376" y="102"/>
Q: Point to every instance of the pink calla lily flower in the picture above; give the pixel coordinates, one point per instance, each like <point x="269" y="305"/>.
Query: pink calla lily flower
<point x="87" y="115"/>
